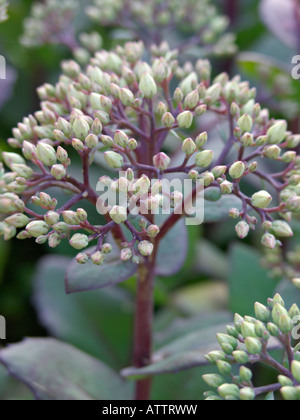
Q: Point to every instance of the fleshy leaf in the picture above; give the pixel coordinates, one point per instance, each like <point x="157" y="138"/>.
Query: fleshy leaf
<point x="84" y="320"/>
<point x="81" y="278"/>
<point x="279" y="16"/>
<point x="56" y="371"/>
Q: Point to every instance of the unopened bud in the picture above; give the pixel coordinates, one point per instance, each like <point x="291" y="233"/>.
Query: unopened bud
<point x="126" y="254"/>
<point x="79" y="241"/>
<point x="37" y="228"/>
<point x="58" y="171"/>
<point x="242" y="229"/>
<point x="168" y="120"/>
<point x="81" y="128"/>
<point x="261" y="199"/>
<point x="118" y="214"/>
<point x="272" y="152"/>
<point x="282" y="229"/>
<point x="114" y="160"/>
<point x="276" y="134"/>
<point x="253" y="345"/>
<point x="226" y="187"/>
<point x="145" y="248"/>
<point x="188" y="147"/>
<point x="237" y="170"/>
<point x="161" y="161"/>
<point x="204" y="159"/>
<point x="46" y="154"/>
<point x="185" y="119"/>
<point x="148" y="86"/>
<point x="245" y="123"/>
<point x="82" y="258"/>
<point x="153" y="231"/>
<point x="17" y="220"/>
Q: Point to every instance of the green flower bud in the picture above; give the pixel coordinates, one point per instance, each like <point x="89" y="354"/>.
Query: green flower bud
<point x="51" y="218"/>
<point x="278" y="312"/>
<point x="81" y="128"/>
<point x="293" y="141"/>
<point x="142" y="185"/>
<point x="269" y="241"/>
<point x="153" y="231"/>
<point x="296" y="283"/>
<point x="58" y="171"/>
<point x="253" y="345"/>
<point x="22" y="170"/>
<point x="12" y="159"/>
<point x="276" y="134"/>
<point x="237" y="170"/>
<point x="46" y="154"/>
<point x="226" y="390"/>
<point x="282" y="229"/>
<point x="294" y="311"/>
<point x="107" y="141"/>
<point x="17" y="220"/>
<point x="189" y="83"/>
<point x="118" y="214"/>
<point x="161" y="161"/>
<point x="168" y="120"/>
<point x="284" y="381"/>
<point x="218" y="171"/>
<point x="77" y="145"/>
<point x="245" y="374"/>
<point x="241" y="357"/>
<point x="273" y="329"/>
<point x="121" y="138"/>
<point x="262" y="313"/>
<point x="96" y="127"/>
<point x="29" y="150"/>
<point x="213" y="93"/>
<point x="191" y="100"/>
<point x="296" y="370"/>
<point x="247" y="394"/>
<point x="214" y="356"/>
<point x="247" y="140"/>
<point x="98" y="258"/>
<point x="54" y="240"/>
<point x="224" y="368"/>
<point x="188" y="147"/>
<point x="226" y="187"/>
<point x="185" y="119"/>
<point x="242" y="229"/>
<point x="41" y="240"/>
<point x="214" y="381"/>
<point x="272" y="152"/>
<point x="148" y="86"/>
<point x="234" y="213"/>
<point x="261" y="199"/>
<point x="289" y="157"/>
<point x="79" y="241"/>
<point x="145" y="248"/>
<point x="204" y="159"/>
<point x="289" y="393"/>
<point x="248" y="330"/>
<point x="113" y="160"/>
<point x="91" y="141"/>
<point x="37" y="228"/>
<point x="126" y="254"/>
<point x="126" y="97"/>
<point x="61" y="228"/>
<point x="178" y="95"/>
<point x="82" y="258"/>
<point x="200" y="110"/>
<point x="285" y="324"/>
<point x="245" y="123"/>
<point x="201" y="140"/>
<point x="232" y="331"/>
<point x="207" y="178"/>
<point x="70" y="217"/>
<point x="227" y="339"/>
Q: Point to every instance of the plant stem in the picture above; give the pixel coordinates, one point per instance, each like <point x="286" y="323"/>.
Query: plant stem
<point x="143" y="325"/>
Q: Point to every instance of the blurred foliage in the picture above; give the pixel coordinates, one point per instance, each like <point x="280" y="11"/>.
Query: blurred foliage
<point x="220" y="276"/>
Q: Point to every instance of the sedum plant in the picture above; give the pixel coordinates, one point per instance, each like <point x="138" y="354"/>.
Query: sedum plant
<point x="122" y="113"/>
<point x="249" y="342"/>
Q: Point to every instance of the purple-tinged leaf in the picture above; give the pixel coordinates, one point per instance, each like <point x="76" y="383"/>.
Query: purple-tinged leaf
<point x="172" y="250"/>
<point x="58" y="372"/>
<point x="280" y="18"/>
<point x="81" y="278"/>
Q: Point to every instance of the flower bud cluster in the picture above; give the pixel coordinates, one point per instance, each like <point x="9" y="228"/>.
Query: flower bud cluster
<point x="249" y="341"/>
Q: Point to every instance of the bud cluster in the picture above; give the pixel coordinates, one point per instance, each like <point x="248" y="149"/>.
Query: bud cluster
<point x="117" y="112"/>
<point x="249" y="341"/>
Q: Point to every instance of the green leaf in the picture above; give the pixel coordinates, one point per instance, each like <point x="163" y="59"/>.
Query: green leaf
<point x="81" y="278"/>
<point x="183" y="353"/>
<point x="217" y="211"/>
<point x="172" y="250"/>
<point x="56" y="371"/>
<point x="84" y="320"/>
<point x="249" y="281"/>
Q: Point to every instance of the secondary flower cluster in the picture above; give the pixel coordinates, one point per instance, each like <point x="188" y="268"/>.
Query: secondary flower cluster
<point x="250" y="341"/>
<point x="3" y="10"/>
<point x="153" y="21"/>
<point x="150" y="21"/>
<point x="122" y="108"/>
